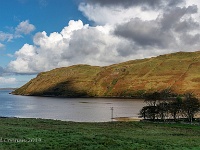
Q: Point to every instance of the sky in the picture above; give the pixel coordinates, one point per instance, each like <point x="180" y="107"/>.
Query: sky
<point x="40" y="35"/>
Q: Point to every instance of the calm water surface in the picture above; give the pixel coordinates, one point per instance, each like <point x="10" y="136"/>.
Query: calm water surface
<point x="68" y="109"/>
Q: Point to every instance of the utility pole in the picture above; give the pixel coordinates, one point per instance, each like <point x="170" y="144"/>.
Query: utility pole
<point x="111" y="113"/>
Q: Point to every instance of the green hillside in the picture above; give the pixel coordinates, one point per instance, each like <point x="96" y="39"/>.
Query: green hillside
<point x="178" y="71"/>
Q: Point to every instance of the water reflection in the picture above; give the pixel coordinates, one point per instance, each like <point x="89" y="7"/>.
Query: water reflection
<point x="68" y="109"/>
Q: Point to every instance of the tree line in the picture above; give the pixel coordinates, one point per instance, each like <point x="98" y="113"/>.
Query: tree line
<point x="165" y="105"/>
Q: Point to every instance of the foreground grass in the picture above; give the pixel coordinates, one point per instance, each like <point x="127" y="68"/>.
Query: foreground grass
<point x="58" y="135"/>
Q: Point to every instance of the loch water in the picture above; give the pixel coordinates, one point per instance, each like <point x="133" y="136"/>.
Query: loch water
<point x="67" y="109"/>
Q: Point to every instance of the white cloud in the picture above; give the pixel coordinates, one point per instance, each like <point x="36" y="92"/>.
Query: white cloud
<point x="9" y="55"/>
<point x="21" y="64"/>
<point x="147" y="4"/>
<point x="2" y="45"/>
<point x="115" y="15"/>
<point x="192" y="2"/>
<point x="72" y="26"/>
<point x="6" y="36"/>
<point x="163" y="26"/>
<point x="8" y="82"/>
<point x="4" y="80"/>
<point x="75" y="44"/>
<point x="24" y="27"/>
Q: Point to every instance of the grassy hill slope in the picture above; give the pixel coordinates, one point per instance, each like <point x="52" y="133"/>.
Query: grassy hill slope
<point x="178" y="71"/>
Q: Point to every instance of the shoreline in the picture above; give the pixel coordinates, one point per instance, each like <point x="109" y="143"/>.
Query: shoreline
<point x="90" y="97"/>
<point x="116" y="119"/>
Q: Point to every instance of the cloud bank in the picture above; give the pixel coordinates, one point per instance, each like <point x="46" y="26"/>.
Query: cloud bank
<point x="153" y="4"/>
<point x="121" y="31"/>
<point x="76" y="43"/>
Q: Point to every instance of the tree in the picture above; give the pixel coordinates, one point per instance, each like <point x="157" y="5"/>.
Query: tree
<point x="156" y="105"/>
<point x="149" y="112"/>
<point x="152" y="98"/>
<point x="175" y="107"/>
<point x="191" y="106"/>
<point x="163" y="109"/>
<point x="160" y="105"/>
<point x="143" y="112"/>
<point x="166" y="94"/>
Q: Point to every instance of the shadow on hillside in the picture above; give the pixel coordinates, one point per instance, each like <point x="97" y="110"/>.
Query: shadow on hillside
<point x="63" y="89"/>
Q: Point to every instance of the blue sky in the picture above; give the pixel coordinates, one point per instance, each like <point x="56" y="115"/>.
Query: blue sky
<point x="45" y="15"/>
<point x="40" y="35"/>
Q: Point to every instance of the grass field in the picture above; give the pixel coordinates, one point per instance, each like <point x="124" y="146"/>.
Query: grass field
<point x="42" y="134"/>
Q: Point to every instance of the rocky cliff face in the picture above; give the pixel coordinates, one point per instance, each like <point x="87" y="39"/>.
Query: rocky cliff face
<point x="179" y="72"/>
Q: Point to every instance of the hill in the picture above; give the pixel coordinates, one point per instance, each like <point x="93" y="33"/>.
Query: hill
<point x="179" y="72"/>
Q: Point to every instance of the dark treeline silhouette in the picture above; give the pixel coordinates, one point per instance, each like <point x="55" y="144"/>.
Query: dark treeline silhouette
<point x="165" y="105"/>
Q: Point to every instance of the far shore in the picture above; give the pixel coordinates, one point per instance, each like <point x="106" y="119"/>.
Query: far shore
<point x="108" y="97"/>
<point x="120" y="119"/>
